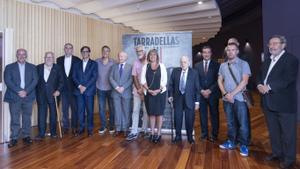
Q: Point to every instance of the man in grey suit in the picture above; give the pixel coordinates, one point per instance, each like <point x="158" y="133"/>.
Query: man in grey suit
<point x="21" y="79"/>
<point x="121" y="82"/>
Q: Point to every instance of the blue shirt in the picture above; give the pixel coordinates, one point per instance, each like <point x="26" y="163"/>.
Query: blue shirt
<point x="239" y="68"/>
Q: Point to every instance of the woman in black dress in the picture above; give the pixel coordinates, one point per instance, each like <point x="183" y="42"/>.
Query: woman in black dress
<point x="154" y="81"/>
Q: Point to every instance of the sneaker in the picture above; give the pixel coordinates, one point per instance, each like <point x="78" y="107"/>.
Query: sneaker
<point x="132" y="136"/>
<point x="227" y="145"/>
<point x="244" y="151"/>
<point x="111" y="130"/>
<point x="102" y="130"/>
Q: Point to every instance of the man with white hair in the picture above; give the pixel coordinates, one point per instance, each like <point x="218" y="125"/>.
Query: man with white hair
<point x="184" y="92"/>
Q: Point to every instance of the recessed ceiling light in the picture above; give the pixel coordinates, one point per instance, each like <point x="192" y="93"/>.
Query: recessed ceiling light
<point x="203" y="37"/>
<point x="200" y="2"/>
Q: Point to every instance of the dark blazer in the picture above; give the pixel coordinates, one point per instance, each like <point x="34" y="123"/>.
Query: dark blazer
<point x="87" y="78"/>
<point x="282" y="80"/>
<point x="12" y="80"/>
<point x="210" y="80"/>
<point x="192" y="92"/>
<point x="55" y="82"/>
<point x="68" y="81"/>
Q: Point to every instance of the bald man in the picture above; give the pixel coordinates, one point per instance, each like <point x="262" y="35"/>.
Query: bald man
<point x="121" y="82"/>
<point x="184" y="92"/>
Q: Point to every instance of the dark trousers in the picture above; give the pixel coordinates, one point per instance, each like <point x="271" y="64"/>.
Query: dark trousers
<point x="85" y="104"/>
<point x="180" y="107"/>
<point x="68" y="100"/>
<point x="213" y="104"/>
<point x="237" y="122"/>
<point x="17" y="109"/>
<point x="103" y="97"/>
<point x="283" y="134"/>
<point x="42" y="118"/>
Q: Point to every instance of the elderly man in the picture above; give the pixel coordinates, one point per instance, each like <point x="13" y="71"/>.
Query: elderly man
<point x="138" y="95"/>
<point x="50" y="85"/>
<point x="277" y="84"/>
<point x="184" y="91"/>
<point x="232" y="81"/>
<point x="20" y="78"/>
<point x="121" y="82"/>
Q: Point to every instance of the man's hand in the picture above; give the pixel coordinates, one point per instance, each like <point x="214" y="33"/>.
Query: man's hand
<point x="229" y="97"/>
<point x="170" y="99"/>
<point x="82" y="89"/>
<point x="22" y="93"/>
<point x="56" y="93"/>
<point x="263" y="89"/>
<point x="197" y="106"/>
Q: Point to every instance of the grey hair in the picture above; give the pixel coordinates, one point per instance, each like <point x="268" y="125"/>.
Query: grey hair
<point x="280" y="37"/>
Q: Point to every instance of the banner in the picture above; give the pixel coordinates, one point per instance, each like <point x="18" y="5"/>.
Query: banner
<point x="170" y="45"/>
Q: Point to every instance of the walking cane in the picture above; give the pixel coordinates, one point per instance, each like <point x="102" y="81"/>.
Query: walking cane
<point x="172" y="123"/>
<point x="58" y="118"/>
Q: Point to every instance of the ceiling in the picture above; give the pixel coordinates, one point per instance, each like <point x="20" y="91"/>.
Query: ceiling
<point x="151" y="15"/>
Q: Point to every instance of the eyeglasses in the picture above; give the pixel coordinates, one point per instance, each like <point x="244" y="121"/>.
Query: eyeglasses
<point x="139" y="51"/>
<point x="85" y="51"/>
<point x="274" y="43"/>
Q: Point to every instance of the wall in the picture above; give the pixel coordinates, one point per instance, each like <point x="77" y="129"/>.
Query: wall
<point x="280" y="17"/>
<point x="39" y="29"/>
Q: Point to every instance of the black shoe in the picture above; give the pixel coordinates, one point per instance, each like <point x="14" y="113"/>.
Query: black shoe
<point x="151" y="138"/>
<point x="65" y="131"/>
<point x="177" y="139"/>
<point x="203" y="137"/>
<point x="12" y="143"/>
<point x="39" y="138"/>
<point x="27" y="140"/>
<point x="272" y="157"/>
<point x="80" y="132"/>
<point x="213" y="139"/>
<point x="90" y="134"/>
<point x="157" y="139"/>
<point x="53" y="136"/>
<point x="192" y="141"/>
<point x="285" y="165"/>
<point x="74" y="132"/>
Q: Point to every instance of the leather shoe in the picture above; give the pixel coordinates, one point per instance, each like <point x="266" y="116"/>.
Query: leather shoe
<point x="39" y="138"/>
<point x="12" y="143"/>
<point x="213" y="139"/>
<point x="203" y="137"/>
<point x="27" y="140"/>
<point x="285" y="165"/>
<point x="192" y="141"/>
<point x="90" y="134"/>
<point x="272" y="157"/>
<point x="177" y="139"/>
<point x="80" y="132"/>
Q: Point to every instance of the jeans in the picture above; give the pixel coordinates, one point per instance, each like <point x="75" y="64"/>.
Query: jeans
<point x="237" y="122"/>
<point x="103" y="96"/>
<point x="137" y="103"/>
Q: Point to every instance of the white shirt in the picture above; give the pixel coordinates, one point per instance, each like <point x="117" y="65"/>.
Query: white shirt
<point x="84" y="64"/>
<point x="47" y="71"/>
<point x="67" y="64"/>
<point x="204" y="61"/>
<point x="274" y="60"/>
<point x="22" y="74"/>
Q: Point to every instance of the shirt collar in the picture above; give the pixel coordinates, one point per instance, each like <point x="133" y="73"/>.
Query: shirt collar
<point x="234" y="61"/>
<point x="274" y="58"/>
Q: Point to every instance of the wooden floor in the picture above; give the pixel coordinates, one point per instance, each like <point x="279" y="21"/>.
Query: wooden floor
<point x="114" y="152"/>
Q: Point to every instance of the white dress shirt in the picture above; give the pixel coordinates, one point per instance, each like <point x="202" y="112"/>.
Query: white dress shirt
<point x="22" y="74"/>
<point x="274" y="60"/>
<point x="84" y="64"/>
<point x="47" y="71"/>
<point x="67" y="64"/>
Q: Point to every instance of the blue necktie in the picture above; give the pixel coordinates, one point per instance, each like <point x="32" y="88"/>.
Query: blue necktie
<point x="121" y="70"/>
<point x="182" y="83"/>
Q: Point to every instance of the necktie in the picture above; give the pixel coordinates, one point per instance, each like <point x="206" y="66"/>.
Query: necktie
<point x="121" y="70"/>
<point x="182" y="83"/>
<point x="205" y="67"/>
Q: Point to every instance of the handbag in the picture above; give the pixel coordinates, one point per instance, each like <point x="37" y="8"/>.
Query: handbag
<point x="248" y="98"/>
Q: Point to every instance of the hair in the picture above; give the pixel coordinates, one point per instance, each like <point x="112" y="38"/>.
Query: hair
<point x="70" y="44"/>
<point x="280" y="37"/>
<point x="21" y="49"/>
<point x="105" y="46"/>
<point x="139" y="46"/>
<point x="206" y="47"/>
<point x="49" y="52"/>
<point x="85" y="47"/>
<point x="233" y="44"/>
<point x="235" y="41"/>
<point x="156" y="53"/>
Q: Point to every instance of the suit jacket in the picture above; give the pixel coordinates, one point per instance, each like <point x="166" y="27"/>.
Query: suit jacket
<point x="87" y="78"/>
<point x="12" y="80"/>
<point x="68" y="81"/>
<point x="192" y="92"/>
<point x="125" y="81"/>
<point x="55" y="82"/>
<point x="210" y="80"/>
<point x="282" y="80"/>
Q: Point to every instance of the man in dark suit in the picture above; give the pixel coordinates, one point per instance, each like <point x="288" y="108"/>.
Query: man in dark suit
<point x="85" y="76"/>
<point x="20" y="78"/>
<point x="66" y="64"/>
<point x="50" y="85"/>
<point x="277" y="84"/>
<point x="208" y="77"/>
<point x="184" y="91"/>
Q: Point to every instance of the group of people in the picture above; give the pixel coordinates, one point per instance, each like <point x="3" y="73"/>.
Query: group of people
<point x="76" y="81"/>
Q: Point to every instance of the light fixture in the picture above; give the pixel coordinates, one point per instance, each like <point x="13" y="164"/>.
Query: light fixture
<point x="200" y="2"/>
